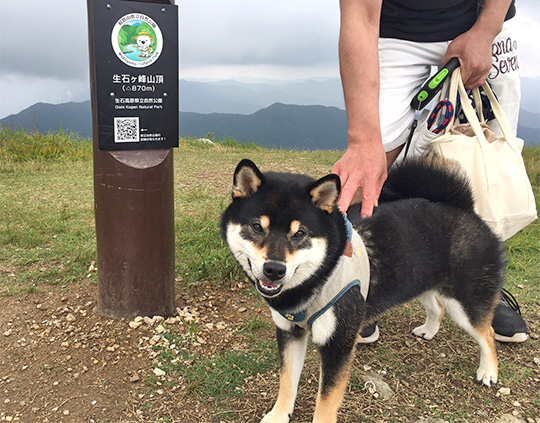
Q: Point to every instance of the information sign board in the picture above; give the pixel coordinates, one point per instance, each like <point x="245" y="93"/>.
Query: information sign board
<point x="135" y="47"/>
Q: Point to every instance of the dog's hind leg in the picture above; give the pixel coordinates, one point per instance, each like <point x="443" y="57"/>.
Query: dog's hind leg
<point x="483" y="333"/>
<point x="434" y="315"/>
<point x="488" y="370"/>
<point x="292" y="351"/>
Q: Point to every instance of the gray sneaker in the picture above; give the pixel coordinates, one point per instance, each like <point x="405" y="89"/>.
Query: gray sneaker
<point x="368" y="334"/>
<point x="507" y="323"/>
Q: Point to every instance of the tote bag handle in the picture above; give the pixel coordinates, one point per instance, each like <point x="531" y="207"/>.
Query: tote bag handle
<point x="468" y="110"/>
<point x="500" y="116"/>
<point x="472" y="116"/>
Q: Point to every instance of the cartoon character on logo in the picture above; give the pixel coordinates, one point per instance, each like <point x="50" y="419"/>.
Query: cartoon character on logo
<point x="144" y="41"/>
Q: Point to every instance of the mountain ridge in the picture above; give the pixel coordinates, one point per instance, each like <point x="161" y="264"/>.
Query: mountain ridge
<point x="299" y="114"/>
<point x="278" y="125"/>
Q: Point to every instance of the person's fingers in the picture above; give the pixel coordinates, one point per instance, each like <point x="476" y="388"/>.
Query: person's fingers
<point x="474" y="82"/>
<point x="369" y="200"/>
<point x="465" y="75"/>
<point x="367" y="208"/>
<point x="346" y="196"/>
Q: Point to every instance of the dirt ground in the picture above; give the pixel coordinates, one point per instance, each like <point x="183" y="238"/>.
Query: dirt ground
<point x="60" y="361"/>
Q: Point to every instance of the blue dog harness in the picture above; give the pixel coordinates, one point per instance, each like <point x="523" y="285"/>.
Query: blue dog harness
<point x="301" y="315"/>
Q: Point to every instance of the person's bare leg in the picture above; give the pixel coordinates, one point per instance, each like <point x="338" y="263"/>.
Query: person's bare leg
<point x="391" y="156"/>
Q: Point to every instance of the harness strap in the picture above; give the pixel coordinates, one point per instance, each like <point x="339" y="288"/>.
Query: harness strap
<point x="301" y="316"/>
<point x="340" y="294"/>
<point x="295" y="317"/>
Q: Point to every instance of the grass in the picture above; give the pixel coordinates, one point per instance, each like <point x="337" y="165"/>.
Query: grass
<point x="46" y="213"/>
<point x="219" y="378"/>
<point x="47" y="239"/>
<point x="21" y="146"/>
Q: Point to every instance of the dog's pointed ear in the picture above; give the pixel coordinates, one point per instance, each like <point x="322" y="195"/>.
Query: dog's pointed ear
<point x="325" y="192"/>
<point x="247" y="179"/>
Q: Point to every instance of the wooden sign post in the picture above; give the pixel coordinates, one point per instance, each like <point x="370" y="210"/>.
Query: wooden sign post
<point x="134" y="88"/>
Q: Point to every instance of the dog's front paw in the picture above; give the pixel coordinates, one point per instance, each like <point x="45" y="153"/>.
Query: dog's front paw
<point x="486" y="376"/>
<point x="424" y="332"/>
<point x="275" y="417"/>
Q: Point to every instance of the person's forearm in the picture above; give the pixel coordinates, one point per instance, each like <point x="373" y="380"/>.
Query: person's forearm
<point x="359" y="67"/>
<point x="491" y="17"/>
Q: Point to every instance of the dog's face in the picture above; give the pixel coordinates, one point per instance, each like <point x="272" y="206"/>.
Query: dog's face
<point x="282" y="229"/>
<point x="143" y="40"/>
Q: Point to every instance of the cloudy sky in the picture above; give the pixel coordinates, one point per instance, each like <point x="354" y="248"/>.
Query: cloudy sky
<point x="44" y="44"/>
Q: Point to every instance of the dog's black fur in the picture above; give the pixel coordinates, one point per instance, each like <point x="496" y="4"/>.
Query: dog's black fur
<point x="424" y="237"/>
<point x="431" y="210"/>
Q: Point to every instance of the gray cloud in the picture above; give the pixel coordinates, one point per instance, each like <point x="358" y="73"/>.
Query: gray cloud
<point x="243" y="32"/>
<point x="44" y="46"/>
<point x="44" y="39"/>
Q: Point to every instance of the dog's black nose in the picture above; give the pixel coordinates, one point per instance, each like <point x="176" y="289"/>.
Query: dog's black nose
<point x="274" y="270"/>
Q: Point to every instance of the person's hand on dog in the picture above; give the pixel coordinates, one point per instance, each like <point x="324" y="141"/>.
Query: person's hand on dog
<point x="362" y="166"/>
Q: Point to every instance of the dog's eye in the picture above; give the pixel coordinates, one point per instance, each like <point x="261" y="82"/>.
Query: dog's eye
<point x="257" y="228"/>
<point x="299" y="235"/>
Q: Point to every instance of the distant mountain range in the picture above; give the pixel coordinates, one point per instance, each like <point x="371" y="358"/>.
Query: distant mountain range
<point x="242" y="98"/>
<point x="304" y="115"/>
<point x="279" y="125"/>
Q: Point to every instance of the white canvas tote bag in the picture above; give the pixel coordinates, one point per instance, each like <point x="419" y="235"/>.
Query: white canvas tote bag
<point x="502" y="190"/>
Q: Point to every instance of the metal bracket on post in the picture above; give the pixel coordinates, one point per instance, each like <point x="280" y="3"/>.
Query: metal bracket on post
<point x="134" y="86"/>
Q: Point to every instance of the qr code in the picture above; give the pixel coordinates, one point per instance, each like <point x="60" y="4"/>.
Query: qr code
<point x="126" y="129"/>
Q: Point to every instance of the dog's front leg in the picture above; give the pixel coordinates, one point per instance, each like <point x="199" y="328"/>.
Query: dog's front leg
<point x="335" y="338"/>
<point x="292" y="346"/>
<point x="335" y="372"/>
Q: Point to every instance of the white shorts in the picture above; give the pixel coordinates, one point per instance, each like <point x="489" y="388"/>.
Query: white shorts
<point x="406" y="65"/>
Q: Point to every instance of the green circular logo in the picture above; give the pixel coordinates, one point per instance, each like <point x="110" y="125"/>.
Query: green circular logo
<point x="137" y="40"/>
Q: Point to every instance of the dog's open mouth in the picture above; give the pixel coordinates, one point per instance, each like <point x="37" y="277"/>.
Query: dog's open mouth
<point x="268" y="289"/>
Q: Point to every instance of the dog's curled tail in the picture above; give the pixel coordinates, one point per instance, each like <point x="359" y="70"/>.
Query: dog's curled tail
<point x="432" y="178"/>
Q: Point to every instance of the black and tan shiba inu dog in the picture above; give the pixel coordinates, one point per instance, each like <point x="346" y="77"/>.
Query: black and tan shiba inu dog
<point x="320" y="274"/>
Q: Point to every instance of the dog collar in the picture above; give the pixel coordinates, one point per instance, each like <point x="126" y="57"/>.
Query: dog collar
<point x="348" y="226"/>
<point x="301" y="316"/>
<point x="347" y="251"/>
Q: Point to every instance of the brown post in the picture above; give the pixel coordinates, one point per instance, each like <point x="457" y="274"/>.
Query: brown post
<point x="134" y="211"/>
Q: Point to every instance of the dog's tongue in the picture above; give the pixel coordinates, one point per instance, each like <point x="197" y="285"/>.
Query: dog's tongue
<point x="269" y="285"/>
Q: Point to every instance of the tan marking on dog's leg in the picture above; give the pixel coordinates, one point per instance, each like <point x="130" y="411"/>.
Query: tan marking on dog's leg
<point x="287" y="392"/>
<point x="442" y="309"/>
<point x="434" y="315"/>
<point x="488" y="370"/>
<point x="293" y="361"/>
<point x="327" y="405"/>
<point x="483" y="334"/>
